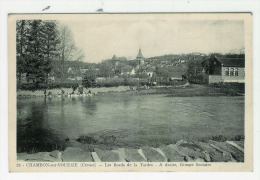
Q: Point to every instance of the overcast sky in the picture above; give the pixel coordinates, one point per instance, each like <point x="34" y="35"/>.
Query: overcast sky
<point x="101" y="38"/>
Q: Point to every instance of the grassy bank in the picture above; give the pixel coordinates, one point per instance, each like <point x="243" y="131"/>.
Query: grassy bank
<point x="186" y="90"/>
<point x="56" y="91"/>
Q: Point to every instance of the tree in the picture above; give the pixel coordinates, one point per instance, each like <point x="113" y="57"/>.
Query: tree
<point x="36" y="44"/>
<point x="35" y="52"/>
<point x="67" y="48"/>
<point x="51" y="41"/>
<point x="106" y="69"/>
<point x="194" y="67"/>
<point x="21" y="32"/>
<point x="162" y="74"/>
<point x="89" y="79"/>
<point x="40" y="43"/>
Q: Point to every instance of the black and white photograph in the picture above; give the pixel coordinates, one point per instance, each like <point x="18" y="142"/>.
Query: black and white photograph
<point x="125" y="88"/>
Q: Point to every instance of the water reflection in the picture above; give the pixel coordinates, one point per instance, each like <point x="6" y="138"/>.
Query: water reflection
<point x="33" y="131"/>
<point x="89" y="104"/>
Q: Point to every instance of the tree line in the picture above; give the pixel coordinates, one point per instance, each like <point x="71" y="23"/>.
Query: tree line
<point x="38" y="44"/>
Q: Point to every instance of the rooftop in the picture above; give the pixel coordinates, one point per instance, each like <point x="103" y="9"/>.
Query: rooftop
<point x="231" y="62"/>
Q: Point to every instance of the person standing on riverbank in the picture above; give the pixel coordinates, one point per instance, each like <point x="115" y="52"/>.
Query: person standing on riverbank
<point x="45" y="93"/>
<point x="74" y="88"/>
<point x="80" y="89"/>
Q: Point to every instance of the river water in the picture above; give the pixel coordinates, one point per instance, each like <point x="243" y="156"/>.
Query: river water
<point x="44" y="123"/>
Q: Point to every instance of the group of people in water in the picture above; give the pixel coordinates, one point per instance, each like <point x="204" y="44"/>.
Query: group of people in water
<point x="73" y="93"/>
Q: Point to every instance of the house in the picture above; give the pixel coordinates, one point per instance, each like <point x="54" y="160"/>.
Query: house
<point x="150" y="73"/>
<point x="51" y="78"/>
<point x="83" y="70"/>
<point x="226" y="70"/>
<point x="100" y="79"/>
<point x="132" y="72"/>
<point x="175" y="78"/>
<point x="23" y="78"/>
<point x="78" y="78"/>
<point x="71" y="78"/>
<point x="70" y="70"/>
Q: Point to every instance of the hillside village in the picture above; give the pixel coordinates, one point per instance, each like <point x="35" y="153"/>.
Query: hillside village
<point x="164" y="70"/>
<point x="168" y="67"/>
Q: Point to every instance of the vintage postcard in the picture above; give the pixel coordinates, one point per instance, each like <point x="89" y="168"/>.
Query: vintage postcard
<point x="130" y="92"/>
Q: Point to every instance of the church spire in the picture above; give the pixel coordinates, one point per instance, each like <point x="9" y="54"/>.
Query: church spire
<point x="139" y="55"/>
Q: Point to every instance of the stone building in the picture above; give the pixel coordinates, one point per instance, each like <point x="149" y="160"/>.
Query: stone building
<point x="226" y="70"/>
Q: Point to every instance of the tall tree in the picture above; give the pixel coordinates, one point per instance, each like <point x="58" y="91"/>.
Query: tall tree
<point x="67" y="49"/>
<point x="21" y="41"/>
<point x="36" y="43"/>
<point x="35" y="52"/>
<point x="51" y="41"/>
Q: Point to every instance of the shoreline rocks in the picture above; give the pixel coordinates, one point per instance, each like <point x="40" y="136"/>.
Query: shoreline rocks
<point x="182" y="151"/>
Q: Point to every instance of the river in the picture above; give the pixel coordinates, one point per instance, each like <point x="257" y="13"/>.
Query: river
<point x="44" y="123"/>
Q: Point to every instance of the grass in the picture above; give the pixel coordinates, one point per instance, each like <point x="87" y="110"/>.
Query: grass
<point x="177" y="90"/>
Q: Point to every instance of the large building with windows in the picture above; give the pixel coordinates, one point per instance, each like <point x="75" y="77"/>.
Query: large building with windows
<point x="226" y="70"/>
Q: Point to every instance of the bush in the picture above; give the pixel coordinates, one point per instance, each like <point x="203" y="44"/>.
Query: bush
<point x="219" y="138"/>
<point x="28" y="86"/>
<point x="115" y="82"/>
<point x="199" y="79"/>
<point x="33" y="87"/>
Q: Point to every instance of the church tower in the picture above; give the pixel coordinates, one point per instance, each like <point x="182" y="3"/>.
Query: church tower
<point x="115" y="60"/>
<point x="140" y="57"/>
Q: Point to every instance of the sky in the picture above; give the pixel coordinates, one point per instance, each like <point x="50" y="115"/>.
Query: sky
<point x="102" y="37"/>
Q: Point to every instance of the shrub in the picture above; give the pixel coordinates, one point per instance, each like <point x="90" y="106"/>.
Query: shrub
<point x="115" y="82"/>
<point x="219" y="138"/>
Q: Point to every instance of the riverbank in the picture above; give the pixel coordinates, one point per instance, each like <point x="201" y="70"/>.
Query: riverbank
<point x="181" y="151"/>
<point x="186" y="90"/>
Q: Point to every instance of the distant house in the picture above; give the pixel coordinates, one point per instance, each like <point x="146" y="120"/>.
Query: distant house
<point x="26" y="78"/>
<point x="51" y="78"/>
<point x="83" y="70"/>
<point x="150" y="74"/>
<point x="132" y="72"/>
<point x="226" y="70"/>
<point x="72" y="78"/>
<point x="100" y="79"/>
<point x="70" y="70"/>
<point x="150" y="71"/>
<point x="78" y="78"/>
<point x="182" y="61"/>
<point x="175" y="78"/>
<point x="23" y="78"/>
<point x="123" y="71"/>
